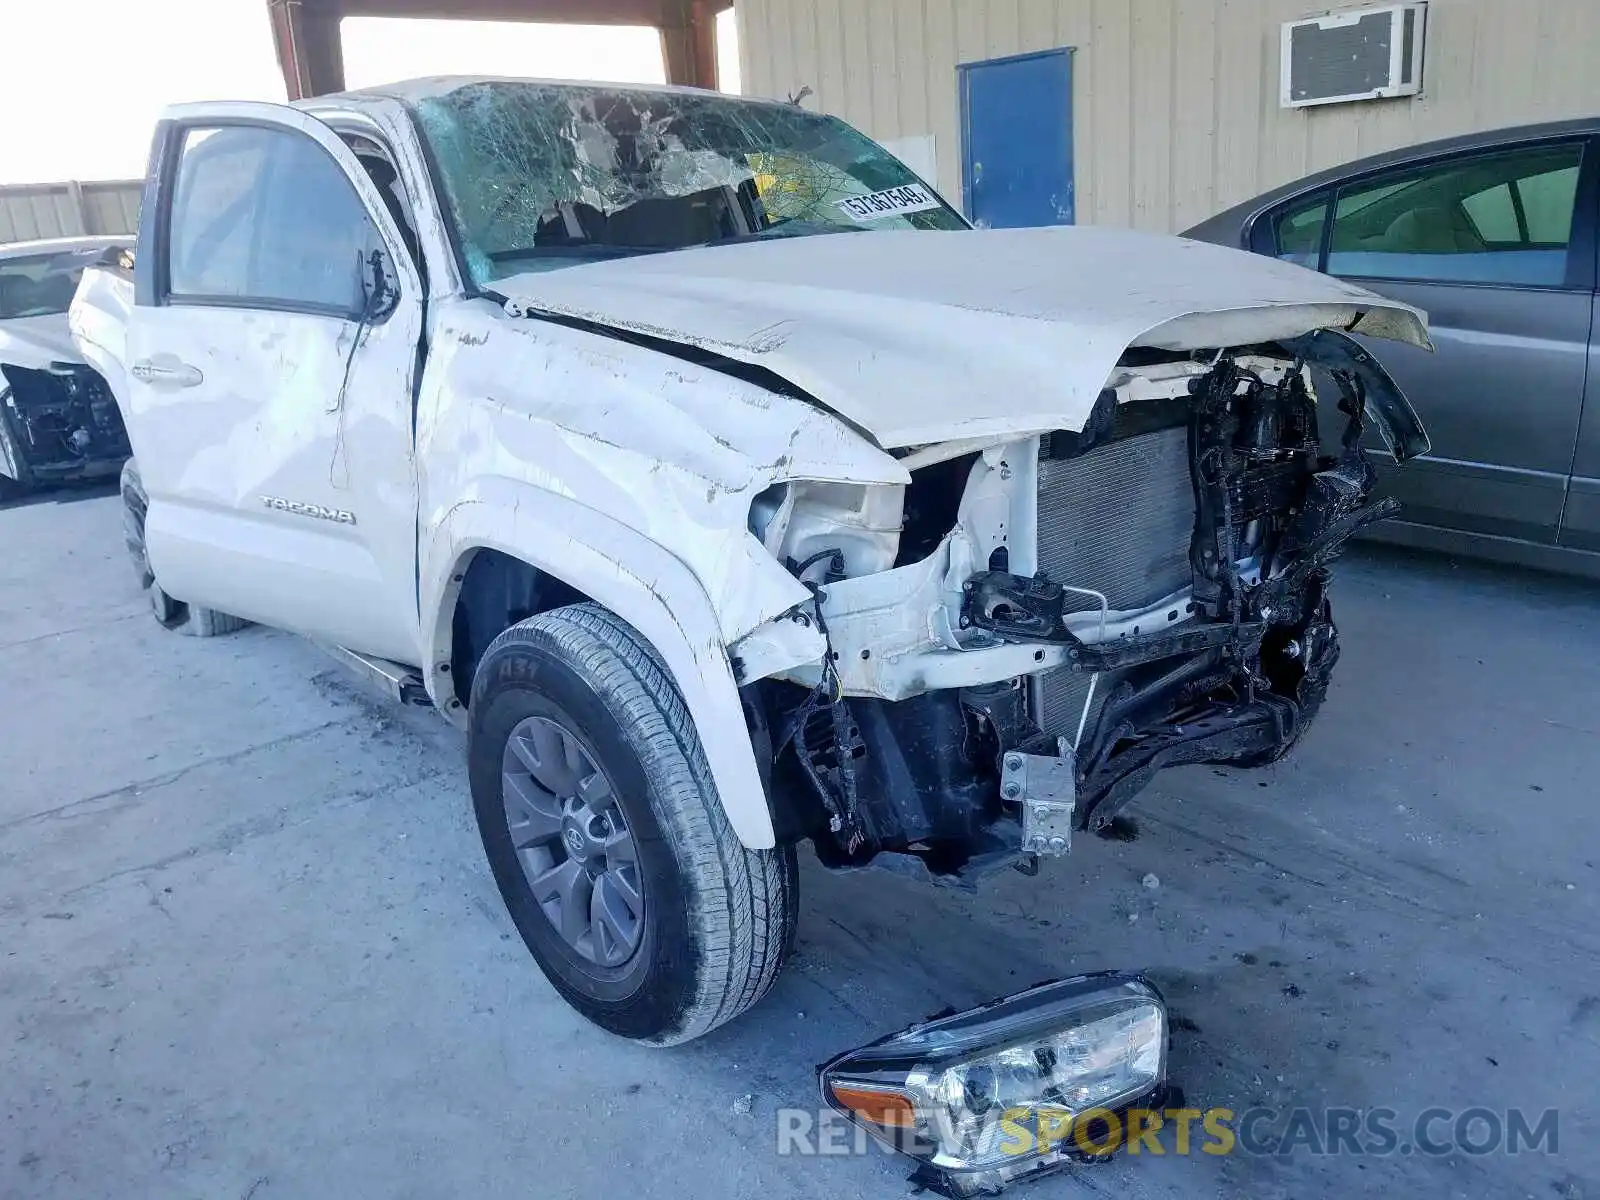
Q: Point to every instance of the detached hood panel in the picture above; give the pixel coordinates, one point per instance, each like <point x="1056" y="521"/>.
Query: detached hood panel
<point x="37" y="342"/>
<point x="922" y="337"/>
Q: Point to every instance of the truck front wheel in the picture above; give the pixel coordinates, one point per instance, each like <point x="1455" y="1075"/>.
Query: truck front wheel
<point x="607" y="839"/>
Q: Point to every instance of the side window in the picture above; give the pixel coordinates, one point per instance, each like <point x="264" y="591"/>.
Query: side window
<point x="1493" y="214"/>
<point x="1297" y="232"/>
<point x="1546" y="201"/>
<point x="212" y="210"/>
<point x="1498" y="218"/>
<point x="265" y="217"/>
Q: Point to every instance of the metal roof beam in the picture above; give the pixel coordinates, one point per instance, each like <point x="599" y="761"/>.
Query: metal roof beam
<point x="565" y="12"/>
<point x="311" y="52"/>
<point x="310" y="49"/>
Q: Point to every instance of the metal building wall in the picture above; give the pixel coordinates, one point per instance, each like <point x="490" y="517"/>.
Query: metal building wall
<point x="45" y="210"/>
<point x="1175" y="102"/>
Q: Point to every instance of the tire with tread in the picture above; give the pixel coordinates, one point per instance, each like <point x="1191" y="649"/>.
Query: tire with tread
<point x="720" y="918"/>
<point x="191" y="620"/>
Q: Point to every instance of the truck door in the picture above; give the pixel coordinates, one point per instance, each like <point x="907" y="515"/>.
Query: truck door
<point x="272" y="352"/>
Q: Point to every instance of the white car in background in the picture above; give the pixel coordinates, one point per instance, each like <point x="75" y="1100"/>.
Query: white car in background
<point x="58" y="420"/>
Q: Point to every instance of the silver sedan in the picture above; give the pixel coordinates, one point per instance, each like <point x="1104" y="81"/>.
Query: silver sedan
<point x="1494" y="235"/>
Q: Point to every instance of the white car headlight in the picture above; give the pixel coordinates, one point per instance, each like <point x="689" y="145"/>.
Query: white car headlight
<point x="798" y="518"/>
<point x="999" y="1091"/>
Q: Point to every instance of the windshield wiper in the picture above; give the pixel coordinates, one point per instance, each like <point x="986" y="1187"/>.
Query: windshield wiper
<point x="582" y="251"/>
<point x="790" y="228"/>
<point x="597" y="251"/>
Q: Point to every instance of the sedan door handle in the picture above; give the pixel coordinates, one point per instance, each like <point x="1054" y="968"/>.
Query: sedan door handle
<point x="167" y="372"/>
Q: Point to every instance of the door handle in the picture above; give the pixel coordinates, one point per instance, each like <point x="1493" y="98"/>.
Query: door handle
<point x="167" y="373"/>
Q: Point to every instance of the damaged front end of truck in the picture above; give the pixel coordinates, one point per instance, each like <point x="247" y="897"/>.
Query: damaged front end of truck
<point x="1067" y="614"/>
<point x="1089" y="533"/>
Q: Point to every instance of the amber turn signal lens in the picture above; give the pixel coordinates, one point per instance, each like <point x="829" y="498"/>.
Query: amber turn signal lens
<point x="890" y="1109"/>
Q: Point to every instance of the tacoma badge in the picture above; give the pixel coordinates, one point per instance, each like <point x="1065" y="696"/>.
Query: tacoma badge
<point x="320" y="511"/>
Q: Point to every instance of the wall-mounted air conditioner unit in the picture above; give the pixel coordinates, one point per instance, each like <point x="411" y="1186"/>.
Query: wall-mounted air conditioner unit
<point x="1362" y="54"/>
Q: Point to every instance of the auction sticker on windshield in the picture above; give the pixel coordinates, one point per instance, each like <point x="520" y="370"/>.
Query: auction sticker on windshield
<point x="891" y="202"/>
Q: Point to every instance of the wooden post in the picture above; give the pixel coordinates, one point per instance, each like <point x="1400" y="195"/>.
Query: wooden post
<point x="689" y="41"/>
<point x="310" y="50"/>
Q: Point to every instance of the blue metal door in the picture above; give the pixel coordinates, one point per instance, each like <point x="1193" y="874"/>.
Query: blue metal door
<point x="1016" y="118"/>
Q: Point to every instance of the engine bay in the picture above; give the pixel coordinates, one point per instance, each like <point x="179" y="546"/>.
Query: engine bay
<point x="60" y="423"/>
<point x="1060" y="618"/>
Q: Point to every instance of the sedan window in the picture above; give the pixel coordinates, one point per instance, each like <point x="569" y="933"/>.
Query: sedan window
<point x="1498" y="218"/>
<point x="1547" y="204"/>
<point x="1494" y="214"/>
<point x="1297" y="233"/>
<point x="41" y="284"/>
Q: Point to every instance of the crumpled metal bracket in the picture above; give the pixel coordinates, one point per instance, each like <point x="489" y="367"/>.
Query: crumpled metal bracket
<point x="1046" y="788"/>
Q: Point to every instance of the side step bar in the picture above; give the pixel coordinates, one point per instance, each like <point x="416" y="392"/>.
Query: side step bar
<point x="400" y="683"/>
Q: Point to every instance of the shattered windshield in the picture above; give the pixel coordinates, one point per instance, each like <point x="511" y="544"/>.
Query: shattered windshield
<point x="539" y="176"/>
<point x="40" y="285"/>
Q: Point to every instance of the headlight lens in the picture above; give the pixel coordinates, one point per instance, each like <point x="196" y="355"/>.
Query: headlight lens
<point x="798" y="518"/>
<point x="999" y="1088"/>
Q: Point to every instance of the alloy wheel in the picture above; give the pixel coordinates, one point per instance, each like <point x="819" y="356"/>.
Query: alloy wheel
<point x="573" y="842"/>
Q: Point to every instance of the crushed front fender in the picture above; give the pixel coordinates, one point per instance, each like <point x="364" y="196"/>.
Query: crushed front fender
<point x="1386" y="405"/>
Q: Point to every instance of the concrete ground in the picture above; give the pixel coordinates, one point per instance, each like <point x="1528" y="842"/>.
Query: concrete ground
<point x="249" y="948"/>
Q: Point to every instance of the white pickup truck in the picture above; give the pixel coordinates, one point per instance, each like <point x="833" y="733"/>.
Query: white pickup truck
<point x="730" y="491"/>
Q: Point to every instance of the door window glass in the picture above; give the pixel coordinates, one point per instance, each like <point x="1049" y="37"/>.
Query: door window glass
<point x="267" y="217"/>
<point x="212" y="211"/>
<point x="1493" y="214"/>
<point x="1297" y="233"/>
<point x="1547" y="204"/>
<point x="1498" y="218"/>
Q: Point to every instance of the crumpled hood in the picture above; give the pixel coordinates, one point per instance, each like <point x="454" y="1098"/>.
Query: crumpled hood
<point x="37" y="342"/>
<point x="921" y="337"/>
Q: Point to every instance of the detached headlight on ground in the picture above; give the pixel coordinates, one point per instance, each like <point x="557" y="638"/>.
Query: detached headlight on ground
<point x="1011" y="1088"/>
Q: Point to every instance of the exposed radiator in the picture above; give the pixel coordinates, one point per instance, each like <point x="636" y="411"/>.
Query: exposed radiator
<point x="1059" y="697"/>
<point x="1117" y="519"/>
